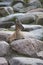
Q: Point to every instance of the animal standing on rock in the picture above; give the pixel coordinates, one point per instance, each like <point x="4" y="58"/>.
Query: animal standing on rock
<point x="18" y="34"/>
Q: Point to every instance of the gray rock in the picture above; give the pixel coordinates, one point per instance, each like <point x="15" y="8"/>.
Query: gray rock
<point x="4" y="34"/>
<point x="9" y="10"/>
<point x="35" y="3"/>
<point x="22" y="7"/>
<point x="11" y="17"/>
<point x="39" y="19"/>
<point x="22" y="17"/>
<point x="37" y="34"/>
<point x="28" y="46"/>
<point x="6" y="24"/>
<point x="4" y="11"/>
<point x="18" y="6"/>
<point x="28" y="27"/>
<point x="4" y="4"/>
<point x="25" y="61"/>
<point x="3" y="61"/>
<point x="40" y="54"/>
<point x="27" y="18"/>
<point x="37" y="10"/>
<point x="8" y="0"/>
<point x="32" y="4"/>
<point x="4" y="48"/>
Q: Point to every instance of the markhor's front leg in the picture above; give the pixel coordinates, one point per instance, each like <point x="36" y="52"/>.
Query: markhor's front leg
<point x="16" y="36"/>
<point x="12" y="37"/>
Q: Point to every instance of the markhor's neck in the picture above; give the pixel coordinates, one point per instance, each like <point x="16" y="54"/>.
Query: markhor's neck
<point x="19" y="34"/>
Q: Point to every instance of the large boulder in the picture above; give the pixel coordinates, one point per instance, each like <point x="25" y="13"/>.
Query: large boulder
<point x="38" y="16"/>
<point x="35" y="3"/>
<point x="27" y="18"/>
<point x="3" y="61"/>
<point x="17" y="7"/>
<point x="5" y="34"/>
<point x="4" y="4"/>
<point x="11" y="17"/>
<point x="29" y="47"/>
<point x="37" y="34"/>
<point x="39" y="19"/>
<point x="28" y="27"/>
<point x="31" y="4"/>
<point x="4" y="11"/>
<point x="6" y="24"/>
<point x="22" y="17"/>
<point x="40" y="54"/>
<point x="25" y="61"/>
<point x="37" y="10"/>
<point x="4" y="48"/>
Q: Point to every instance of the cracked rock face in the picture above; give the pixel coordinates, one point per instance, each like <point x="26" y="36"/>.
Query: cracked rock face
<point x="25" y="61"/>
<point x="28" y="46"/>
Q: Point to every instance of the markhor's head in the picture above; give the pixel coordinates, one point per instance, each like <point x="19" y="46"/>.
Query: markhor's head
<point x="19" y="24"/>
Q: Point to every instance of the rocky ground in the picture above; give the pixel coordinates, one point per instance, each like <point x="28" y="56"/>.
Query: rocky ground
<point x="26" y="51"/>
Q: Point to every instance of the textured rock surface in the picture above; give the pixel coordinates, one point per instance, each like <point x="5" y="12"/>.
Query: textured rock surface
<point x="4" y="48"/>
<point x="18" y="6"/>
<point x="32" y="4"/>
<point x="35" y="3"/>
<point x="25" y="61"/>
<point x="37" y="10"/>
<point x="3" y="61"/>
<point x="28" y="27"/>
<point x="4" y="34"/>
<point x="40" y="54"/>
<point x="27" y="18"/>
<point x="38" y="34"/>
<point x="28" y="46"/>
<point x="4" y="11"/>
<point x="6" y="24"/>
<point x="39" y="19"/>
